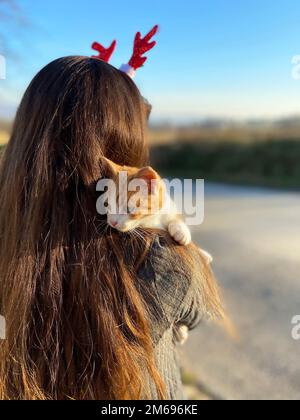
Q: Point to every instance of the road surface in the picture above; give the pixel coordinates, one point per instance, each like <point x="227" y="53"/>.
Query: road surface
<point x="254" y="236"/>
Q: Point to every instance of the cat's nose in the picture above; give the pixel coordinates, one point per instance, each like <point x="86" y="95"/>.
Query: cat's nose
<point x="113" y="223"/>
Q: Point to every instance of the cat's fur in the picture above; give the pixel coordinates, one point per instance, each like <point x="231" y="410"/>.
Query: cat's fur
<point x="157" y="218"/>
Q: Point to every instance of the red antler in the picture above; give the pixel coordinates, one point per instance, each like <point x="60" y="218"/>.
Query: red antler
<point x="104" y="53"/>
<point x="141" y="46"/>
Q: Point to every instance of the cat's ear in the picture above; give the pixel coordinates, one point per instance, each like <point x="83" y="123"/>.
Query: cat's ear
<point x="149" y="175"/>
<point x="108" y="168"/>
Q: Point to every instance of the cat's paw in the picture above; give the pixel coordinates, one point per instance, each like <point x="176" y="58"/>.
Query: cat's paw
<point x="208" y="257"/>
<point x="180" y="232"/>
<point x="181" y="334"/>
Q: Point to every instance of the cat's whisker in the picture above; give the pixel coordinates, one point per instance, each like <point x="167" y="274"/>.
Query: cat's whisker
<point x="136" y="234"/>
<point x="141" y="234"/>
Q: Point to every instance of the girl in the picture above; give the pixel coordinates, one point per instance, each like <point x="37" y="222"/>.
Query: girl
<point x="89" y="310"/>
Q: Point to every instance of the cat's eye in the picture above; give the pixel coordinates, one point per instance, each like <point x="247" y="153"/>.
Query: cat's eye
<point x="130" y="210"/>
<point x="133" y="211"/>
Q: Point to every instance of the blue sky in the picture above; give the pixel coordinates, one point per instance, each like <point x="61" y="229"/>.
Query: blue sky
<point x="214" y="58"/>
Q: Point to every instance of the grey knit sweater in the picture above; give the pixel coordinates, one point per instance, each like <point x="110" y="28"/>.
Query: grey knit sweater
<point x="173" y="293"/>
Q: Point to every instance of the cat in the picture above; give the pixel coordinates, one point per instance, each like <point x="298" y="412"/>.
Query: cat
<point x="164" y="215"/>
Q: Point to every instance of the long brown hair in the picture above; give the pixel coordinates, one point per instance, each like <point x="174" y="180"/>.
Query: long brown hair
<point x="77" y="326"/>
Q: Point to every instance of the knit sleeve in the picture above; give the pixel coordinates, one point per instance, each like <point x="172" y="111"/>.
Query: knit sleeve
<point x="184" y="284"/>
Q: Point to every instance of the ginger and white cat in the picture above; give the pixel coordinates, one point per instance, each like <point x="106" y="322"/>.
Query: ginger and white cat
<point x="164" y="215"/>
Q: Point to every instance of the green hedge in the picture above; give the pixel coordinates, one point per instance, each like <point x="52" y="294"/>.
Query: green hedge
<point x="270" y="163"/>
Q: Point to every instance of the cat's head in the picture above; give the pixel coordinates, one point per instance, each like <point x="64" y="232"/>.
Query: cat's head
<point x="138" y="195"/>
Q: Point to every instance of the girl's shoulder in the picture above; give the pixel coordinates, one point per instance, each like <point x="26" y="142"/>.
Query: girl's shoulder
<point x="167" y="258"/>
<point x="174" y="272"/>
<point x="179" y="286"/>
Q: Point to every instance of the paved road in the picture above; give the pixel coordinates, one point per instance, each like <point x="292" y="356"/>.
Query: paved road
<point x="254" y="236"/>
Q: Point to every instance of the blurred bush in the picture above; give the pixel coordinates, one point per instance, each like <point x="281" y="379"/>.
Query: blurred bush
<point x="270" y="162"/>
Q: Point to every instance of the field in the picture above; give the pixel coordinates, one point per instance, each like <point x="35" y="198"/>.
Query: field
<point x="3" y="138"/>
<point x="269" y="163"/>
<point x="227" y="131"/>
<point x="265" y="154"/>
<point x="5" y="128"/>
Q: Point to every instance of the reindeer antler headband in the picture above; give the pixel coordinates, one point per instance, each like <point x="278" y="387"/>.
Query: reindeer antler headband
<point x="140" y="47"/>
